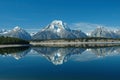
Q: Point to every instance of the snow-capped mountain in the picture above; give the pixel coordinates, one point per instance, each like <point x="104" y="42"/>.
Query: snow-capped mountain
<point x="3" y="31"/>
<point x="103" y="32"/>
<point x="58" y="29"/>
<point x="17" y="32"/>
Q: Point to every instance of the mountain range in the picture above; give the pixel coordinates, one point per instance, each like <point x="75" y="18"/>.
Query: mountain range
<point x="17" y="32"/>
<point x="57" y="29"/>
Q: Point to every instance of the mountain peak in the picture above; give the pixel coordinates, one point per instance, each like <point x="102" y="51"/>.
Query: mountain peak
<point x="57" y="22"/>
<point x="57" y="26"/>
<point x="17" y="28"/>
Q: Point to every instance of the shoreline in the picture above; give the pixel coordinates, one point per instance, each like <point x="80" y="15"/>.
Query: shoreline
<point x="70" y="43"/>
<point x="76" y="44"/>
<point x="13" y="45"/>
<point x="59" y="44"/>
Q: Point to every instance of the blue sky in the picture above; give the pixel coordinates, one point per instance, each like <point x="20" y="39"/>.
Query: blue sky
<point x="35" y="14"/>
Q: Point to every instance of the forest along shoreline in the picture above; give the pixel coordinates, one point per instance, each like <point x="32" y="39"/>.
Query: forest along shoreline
<point x="15" y="42"/>
<point x="12" y="42"/>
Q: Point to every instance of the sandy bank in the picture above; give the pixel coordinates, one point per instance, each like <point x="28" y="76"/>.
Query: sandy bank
<point x="65" y="43"/>
<point x="13" y="45"/>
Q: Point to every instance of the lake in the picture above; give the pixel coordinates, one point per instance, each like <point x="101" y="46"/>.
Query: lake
<point x="60" y="63"/>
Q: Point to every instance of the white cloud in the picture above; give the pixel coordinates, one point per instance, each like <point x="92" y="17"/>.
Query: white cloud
<point x="33" y="30"/>
<point x="88" y="27"/>
<point x="85" y="27"/>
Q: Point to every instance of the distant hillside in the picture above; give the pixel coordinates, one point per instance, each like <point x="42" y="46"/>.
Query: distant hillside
<point x="9" y="40"/>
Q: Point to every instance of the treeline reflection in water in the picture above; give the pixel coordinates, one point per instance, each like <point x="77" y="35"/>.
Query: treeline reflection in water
<point x="62" y="54"/>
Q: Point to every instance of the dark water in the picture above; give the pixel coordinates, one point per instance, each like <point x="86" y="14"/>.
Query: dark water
<point x="51" y="63"/>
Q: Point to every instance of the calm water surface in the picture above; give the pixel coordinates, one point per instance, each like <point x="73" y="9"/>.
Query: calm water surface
<point x="52" y="63"/>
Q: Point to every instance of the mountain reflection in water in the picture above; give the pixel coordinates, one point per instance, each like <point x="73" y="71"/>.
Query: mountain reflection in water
<point x="61" y="55"/>
<point x="16" y="52"/>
